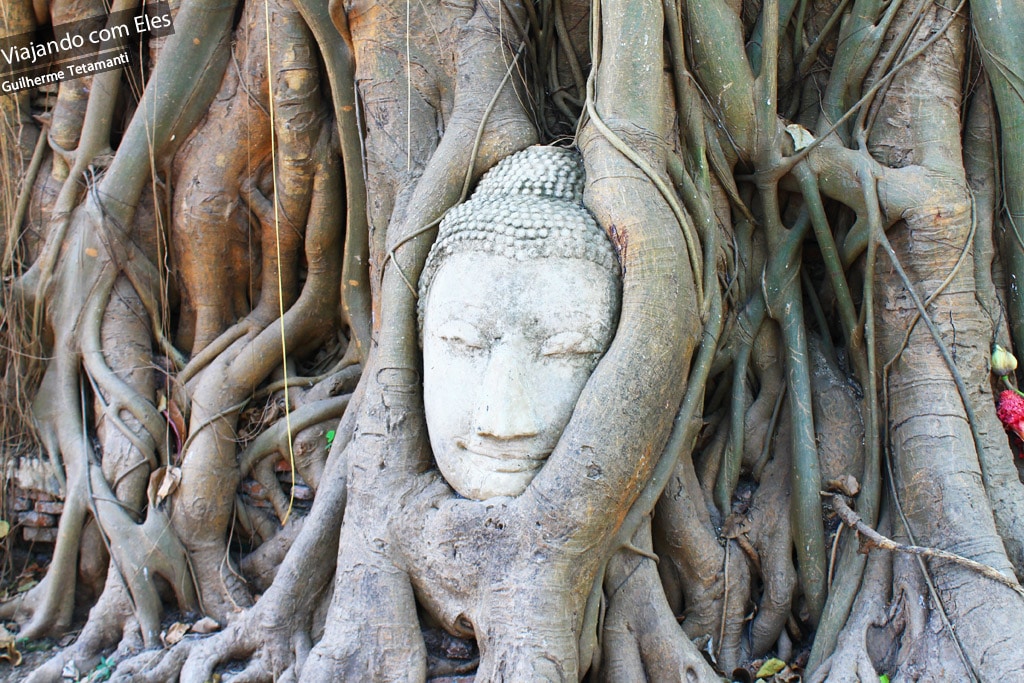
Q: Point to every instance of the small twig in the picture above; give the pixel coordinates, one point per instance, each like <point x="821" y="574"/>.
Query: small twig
<point x="877" y="540"/>
<point x="834" y="555"/>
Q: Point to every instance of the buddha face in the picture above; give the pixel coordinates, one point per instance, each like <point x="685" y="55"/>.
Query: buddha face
<point x="507" y="348"/>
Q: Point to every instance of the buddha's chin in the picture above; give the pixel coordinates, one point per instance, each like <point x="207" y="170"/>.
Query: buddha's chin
<point x="480" y="477"/>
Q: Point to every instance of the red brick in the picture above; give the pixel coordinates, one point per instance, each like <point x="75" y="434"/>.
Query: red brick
<point x="50" y="507"/>
<point x="253" y="489"/>
<point x="37" y="535"/>
<point x="20" y="503"/>
<point x="36" y="519"/>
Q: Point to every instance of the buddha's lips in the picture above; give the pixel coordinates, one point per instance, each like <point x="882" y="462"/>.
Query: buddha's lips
<point x="514" y="459"/>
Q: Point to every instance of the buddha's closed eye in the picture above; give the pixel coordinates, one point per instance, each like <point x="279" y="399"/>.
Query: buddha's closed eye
<point x="570" y="343"/>
<point x="461" y="335"/>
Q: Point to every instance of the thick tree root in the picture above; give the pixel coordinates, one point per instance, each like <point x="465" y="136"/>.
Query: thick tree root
<point x="714" y="585"/>
<point x="276" y="634"/>
<point x="641" y="639"/>
<point x="111" y="623"/>
<point x="772" y="538"/>
<point x="851" y="661"/>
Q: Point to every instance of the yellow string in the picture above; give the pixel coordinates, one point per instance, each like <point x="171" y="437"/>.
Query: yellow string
<point x="280" y="285"/>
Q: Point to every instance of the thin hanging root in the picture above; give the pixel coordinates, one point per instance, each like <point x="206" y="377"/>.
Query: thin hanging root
<point x="830" y="253"/>
<point x="876" y="540"/>
<point x="339" y="62"/>
<point x="958" y="379"/>
<point x="21" y="209"/>
<point x="863" y="353"/>
<point x="729" y="472"/>
<point x="684" y="432"/>
<point x="94" y="140"/>
<point x="51" y="602"/>
<point x="225" y="384"/>
<point x="58" y="406"/>
<point x="964" y="253"/>
<point x="725" y="602"/>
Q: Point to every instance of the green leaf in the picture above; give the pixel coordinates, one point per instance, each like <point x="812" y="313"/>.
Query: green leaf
<point x="330" y="437"/>
<point x="103" y="670"/>
<point x="883" y="679"/>
<point x="770" y="668"/>
<point x="5" y="528"/>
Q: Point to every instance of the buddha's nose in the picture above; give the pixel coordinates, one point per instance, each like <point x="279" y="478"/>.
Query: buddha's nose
<point x="504" y="410"/>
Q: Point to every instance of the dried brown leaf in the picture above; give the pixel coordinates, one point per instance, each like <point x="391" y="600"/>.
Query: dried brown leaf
<point x="171" y="477"/>
<point x="175" y="633"/>
<point x="205" y="625"/>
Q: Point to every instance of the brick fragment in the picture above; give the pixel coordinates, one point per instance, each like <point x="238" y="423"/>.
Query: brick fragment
<point x="253" y="489"/>
<point x="39" y="535"/>
<point x="49" y="507"/>
<point x="303" y="492"/>
<point x="286" y="478"/>
<point x="35" y="519"/>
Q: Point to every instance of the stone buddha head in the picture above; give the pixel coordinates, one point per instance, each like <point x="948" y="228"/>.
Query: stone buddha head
<point x="519" y="299"/>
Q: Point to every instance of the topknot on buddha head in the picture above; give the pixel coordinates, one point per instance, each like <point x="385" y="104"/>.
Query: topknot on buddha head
<point x="538" y="171"/>
<point x="529" y="206"/>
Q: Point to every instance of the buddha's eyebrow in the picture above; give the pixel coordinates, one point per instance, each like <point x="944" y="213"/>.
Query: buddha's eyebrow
<point x="597" y="334"/>
<point x="575" y="324"/>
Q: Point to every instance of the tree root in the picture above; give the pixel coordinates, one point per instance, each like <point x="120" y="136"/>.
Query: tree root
<point x="111" y="623"/>
<point x="276" y="633"/>
<point x="773" y="540"/>
<point x="851" y="661"/>
<point x="200" y="513"/>
<point x="694" y="567"/>
<point x="641" y="639"/>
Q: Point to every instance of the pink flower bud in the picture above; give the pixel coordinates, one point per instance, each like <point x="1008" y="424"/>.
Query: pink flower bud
<point x="1011" y="411"/>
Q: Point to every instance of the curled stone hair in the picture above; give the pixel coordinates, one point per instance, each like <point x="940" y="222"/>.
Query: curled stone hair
<point x="527" y="207"/>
